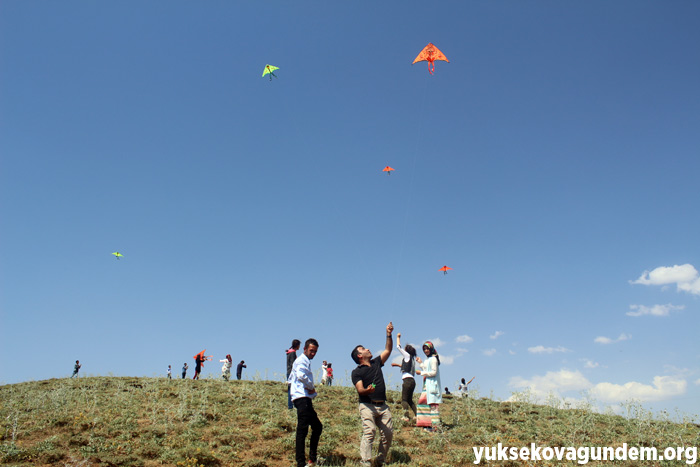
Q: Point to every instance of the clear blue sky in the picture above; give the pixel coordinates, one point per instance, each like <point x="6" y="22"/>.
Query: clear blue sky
<point x="553" y="164"/>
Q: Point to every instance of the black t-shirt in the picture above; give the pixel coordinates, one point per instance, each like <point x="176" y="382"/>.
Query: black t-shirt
<point x="368" y="375"/>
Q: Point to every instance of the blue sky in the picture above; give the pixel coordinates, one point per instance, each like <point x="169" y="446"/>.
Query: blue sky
<point x="553" y="164"/>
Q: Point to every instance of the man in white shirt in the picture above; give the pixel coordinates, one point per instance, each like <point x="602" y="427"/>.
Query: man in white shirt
<point x="302" y="391"/>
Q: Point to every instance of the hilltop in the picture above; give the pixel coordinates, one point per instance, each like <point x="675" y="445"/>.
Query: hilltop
<point x="110" y="421"/>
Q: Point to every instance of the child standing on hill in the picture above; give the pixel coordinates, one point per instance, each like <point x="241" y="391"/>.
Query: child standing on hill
<point x="329" y="375"/>
<point x="76" y="368"/>
<point x="170" y="372"/>
<point x="184" y="370"/>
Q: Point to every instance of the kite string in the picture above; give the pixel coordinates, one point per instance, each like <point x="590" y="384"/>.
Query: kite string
<point x="409" y="197"/>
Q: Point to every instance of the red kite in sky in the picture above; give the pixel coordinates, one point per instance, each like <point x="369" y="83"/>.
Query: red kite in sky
<point x="444" y="269"/>
<point x="429" y="54"/>
<point x="388" y="170"/>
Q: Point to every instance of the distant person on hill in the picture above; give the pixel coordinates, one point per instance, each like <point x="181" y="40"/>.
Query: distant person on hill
<point x="170" y="372"/>
<point x="226" y="368"/>
<point x="324" y="373"/>
<point x="462" y="388"/>
<point x="184" y="370"/>
<point x="199" y="360"/>
<point x="291" y="357"/>
<point x="447" y="391"/>
<point x="430" y="399"/>
<point x="239" y="369"/>
<point x="329" y="374"/>
<point x="408" y="379"/>
<point x="76" y="368"/>
<point x="374" y="412"/>
<point x="302" y="391"/>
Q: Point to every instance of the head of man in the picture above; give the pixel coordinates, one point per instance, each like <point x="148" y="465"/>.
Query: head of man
<point x="310" y="348"/>
<point x="361" y="355"/>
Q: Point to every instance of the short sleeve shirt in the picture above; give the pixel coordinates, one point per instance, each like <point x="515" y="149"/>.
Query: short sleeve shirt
<point x="368" y="375"/>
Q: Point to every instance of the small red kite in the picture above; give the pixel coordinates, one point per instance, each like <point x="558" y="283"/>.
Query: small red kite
<point x="429" y="54"/>
<point x="444" y="269"/>
<point x="388" y="170"/>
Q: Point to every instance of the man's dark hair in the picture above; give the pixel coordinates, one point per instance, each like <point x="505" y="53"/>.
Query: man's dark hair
<point x="355" y="354"/>
<point x="309" y="342"/>
<point x="296" y="343"/>
<point x="410" y="350"/>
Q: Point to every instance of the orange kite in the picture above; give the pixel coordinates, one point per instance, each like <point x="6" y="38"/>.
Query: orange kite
<point x="388" y="170"/>
<point x="429" y="54"/>
<point x="201" y="356"/>
<point x="444" y="269"/>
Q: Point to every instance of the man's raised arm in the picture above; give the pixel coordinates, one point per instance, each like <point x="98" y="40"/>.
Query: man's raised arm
<point x="389" y="343"/>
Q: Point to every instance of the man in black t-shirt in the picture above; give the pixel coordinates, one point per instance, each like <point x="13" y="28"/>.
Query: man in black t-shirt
<point x="369" y="382"/>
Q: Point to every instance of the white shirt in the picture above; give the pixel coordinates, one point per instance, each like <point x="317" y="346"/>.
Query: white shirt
<point x="406" y="358"/>
<point x="301" y="379"/>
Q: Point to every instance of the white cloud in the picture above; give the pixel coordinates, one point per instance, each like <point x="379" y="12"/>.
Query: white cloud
<point x="590" y="363"/>
<point x="656" y="310"/>
<point x="512" y="352"/>
<point x="489" y="352"/>
<point x="543" y="349"/>
<point x="462" y="350"/>
<point x="686" y="278"/>
<point x="661" y="388"/>
<point x="606" y="340"/>
<point x="496" y="335"/>
<point x="691" y="287"/>
<point x="552" y="383"/>
<point x="465" y="339"/>
<point x="447" y="359"/>
<point x="697" y="382"/>
<point x="437" y="342"/>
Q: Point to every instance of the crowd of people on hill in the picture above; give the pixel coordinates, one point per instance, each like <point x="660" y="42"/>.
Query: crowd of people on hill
<point x="199" y="363"/>
<point x="368" y="380"/>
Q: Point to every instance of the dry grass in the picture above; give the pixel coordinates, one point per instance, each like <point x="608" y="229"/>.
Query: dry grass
<point x="109" y="421"/>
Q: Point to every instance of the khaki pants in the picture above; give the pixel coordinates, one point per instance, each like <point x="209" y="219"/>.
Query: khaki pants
<point x="375" y="417"/>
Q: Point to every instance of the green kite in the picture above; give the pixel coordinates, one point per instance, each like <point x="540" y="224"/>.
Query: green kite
<point x="269" y="69"/>
<point x="118" y="255"/>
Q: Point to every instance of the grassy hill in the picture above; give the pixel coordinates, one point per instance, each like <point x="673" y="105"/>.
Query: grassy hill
<point x="109" y="421"/>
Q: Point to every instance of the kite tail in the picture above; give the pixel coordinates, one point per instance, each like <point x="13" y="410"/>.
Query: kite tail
<point x="429" y="70"/>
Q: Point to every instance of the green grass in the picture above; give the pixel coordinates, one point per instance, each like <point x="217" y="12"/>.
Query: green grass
<point x="109" y="421"/>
